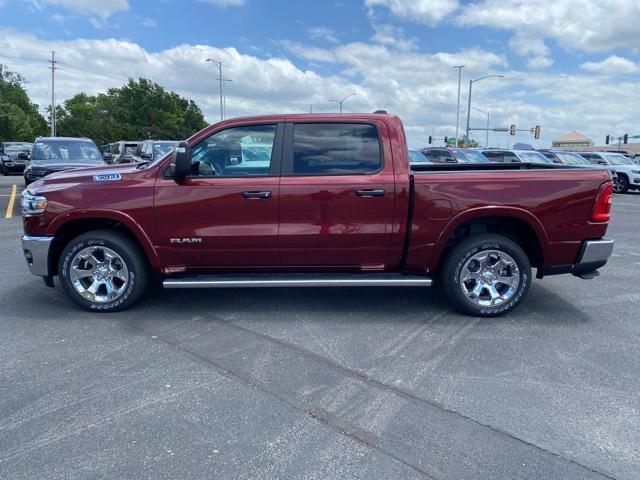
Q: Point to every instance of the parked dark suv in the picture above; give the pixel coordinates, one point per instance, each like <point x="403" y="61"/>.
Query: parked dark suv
<point x="151" y="150"/>
<point x="14" y="156"/>
<point x="55" y="154"/>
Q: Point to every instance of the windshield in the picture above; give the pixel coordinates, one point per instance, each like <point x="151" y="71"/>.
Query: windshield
<point x="617" y="159"/>
<point x="571" y="158"/>
<point x="470" y="156"/>
<point x="66" y="150"/>
<point x="17" y="147"/>
<point x="161" y="149"/>
<point x="533" y="157"/>
<point x="415" y="156"/>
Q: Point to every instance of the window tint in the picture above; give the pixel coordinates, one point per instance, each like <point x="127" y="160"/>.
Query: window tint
<point x="335" y="148"/>
<point x="591" y="158"/>
<point x="509" y="157"/>
<point x="65" y="150"/>
<point x="235" y="151"/>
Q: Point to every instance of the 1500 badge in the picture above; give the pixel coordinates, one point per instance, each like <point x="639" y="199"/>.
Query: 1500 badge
<point x="107" y="177"/>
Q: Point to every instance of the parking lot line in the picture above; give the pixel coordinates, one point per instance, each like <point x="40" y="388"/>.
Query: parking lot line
<point x="12" y="200"/>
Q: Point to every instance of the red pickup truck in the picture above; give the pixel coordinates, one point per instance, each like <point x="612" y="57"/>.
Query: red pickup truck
<point x="314" y="201"/>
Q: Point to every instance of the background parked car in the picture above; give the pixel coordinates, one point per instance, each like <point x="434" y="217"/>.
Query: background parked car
<point x="627" y="173"/>
<point x="454" y="155"/>
<point x="14" y="156"/>
<point x="151" y="150"/>
<point x="123" y="151"/>
<point x="565" y="158"/>
<point x="515" y="156"/>
<point x="55" y="154"/>
<point x="417" y="157"/>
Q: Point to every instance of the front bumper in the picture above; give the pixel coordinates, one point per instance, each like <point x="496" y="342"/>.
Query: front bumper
<point x="36" y="252"/>
<point x="14" y="166"/>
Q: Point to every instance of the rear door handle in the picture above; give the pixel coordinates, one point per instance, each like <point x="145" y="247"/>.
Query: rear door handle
<point x="263" y="195"/>
<point x="370" y="193"/>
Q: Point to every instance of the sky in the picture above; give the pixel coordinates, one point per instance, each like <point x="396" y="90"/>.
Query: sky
<point x="566" y="65"/>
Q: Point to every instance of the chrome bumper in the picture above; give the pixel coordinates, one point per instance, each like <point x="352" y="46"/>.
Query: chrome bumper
<point x="593" y="255"/>
<point x="36" y="252"/>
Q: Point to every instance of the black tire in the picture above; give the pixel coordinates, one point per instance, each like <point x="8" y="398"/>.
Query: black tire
<point x="5" y="172"/>
<point x="456" y="259"/>
<point x="621" y="184"/>
<point x="130" y="253"/>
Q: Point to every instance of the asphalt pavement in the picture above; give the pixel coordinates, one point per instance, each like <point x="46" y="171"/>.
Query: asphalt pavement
<point x="322" y="384"/>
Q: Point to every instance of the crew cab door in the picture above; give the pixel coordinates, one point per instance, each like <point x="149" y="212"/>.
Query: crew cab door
<point x="225" y="215"/>
<point x="337" y="195"/>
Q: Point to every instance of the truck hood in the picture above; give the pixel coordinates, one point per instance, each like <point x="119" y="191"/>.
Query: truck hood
<point x="103" y="175"/>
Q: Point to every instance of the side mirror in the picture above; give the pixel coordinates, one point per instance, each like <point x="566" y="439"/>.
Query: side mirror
<point x="181" y="161"/>
<point x="23" y="156"/>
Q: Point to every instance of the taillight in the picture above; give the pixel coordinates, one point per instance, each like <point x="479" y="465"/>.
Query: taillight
<point x="602" y="208"/>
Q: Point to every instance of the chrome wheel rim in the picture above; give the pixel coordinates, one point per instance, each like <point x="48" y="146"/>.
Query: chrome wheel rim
<point x="489" y="278"/>
<point x="99" y="274"/>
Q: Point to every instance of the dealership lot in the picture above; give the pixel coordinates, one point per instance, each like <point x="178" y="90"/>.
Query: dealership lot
<point x="327" y="383"/>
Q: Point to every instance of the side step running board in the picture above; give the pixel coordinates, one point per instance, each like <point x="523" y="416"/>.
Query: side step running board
<point x="299" y="280"/>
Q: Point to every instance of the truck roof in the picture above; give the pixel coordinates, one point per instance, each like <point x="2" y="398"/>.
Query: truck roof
<point x="313" y="116"/>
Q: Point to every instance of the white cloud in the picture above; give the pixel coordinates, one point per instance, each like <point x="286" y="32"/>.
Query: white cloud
<point x="429" y="12"/>
<point x="323" y="33"/>
<point x="148" y="22"/>
<point x="587" y="25"/>
<point x="540" y="62"/>
<point x="393" y="37"/>
<point x="613" y="65"/>
<point x="99" y="8"/>
<point x="420" y="87"/>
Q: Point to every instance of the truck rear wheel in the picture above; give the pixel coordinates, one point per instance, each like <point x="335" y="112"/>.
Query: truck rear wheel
<point x="103" y="271"/>
<point x="486" y="275"/>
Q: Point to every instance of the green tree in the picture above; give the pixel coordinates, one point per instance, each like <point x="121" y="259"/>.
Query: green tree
<point x="19" y="118"/>
<point x="139" y="110"/>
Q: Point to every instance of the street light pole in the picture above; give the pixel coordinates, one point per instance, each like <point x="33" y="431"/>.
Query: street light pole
<point x="466" y="138"/>
<point x="224" y="95"/>
<point x="218" y="63"/>
<point x="459" y="67"/>
<point x="486" y="143"/>
<point x="340" y="102"/>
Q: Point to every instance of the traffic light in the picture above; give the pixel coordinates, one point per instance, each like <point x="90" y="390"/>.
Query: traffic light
<point x="625" y="139"/>
<point x="512" y="130"/>
<point x="536" y="132"/>
<point x="431" y="140"/>
<point x="606" y="140"/>
<point x="446" y="140"/>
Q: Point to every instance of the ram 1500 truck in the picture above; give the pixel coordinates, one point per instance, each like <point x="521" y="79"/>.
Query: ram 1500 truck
<point x="314" y="201"/>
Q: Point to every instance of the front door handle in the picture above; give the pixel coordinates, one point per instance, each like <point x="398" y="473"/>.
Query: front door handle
<point x="370" y="193"/>
<point x="263" y="195"/>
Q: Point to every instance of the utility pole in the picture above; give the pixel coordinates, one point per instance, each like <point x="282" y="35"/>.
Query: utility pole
<point x="53" y="93"/>
<point x="459" y="67"/>
<point x="219" y="65"/>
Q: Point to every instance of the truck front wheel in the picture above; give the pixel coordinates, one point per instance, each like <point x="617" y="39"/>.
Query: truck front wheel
<point x="103" y="271"/>
<point x="486" y="275"/>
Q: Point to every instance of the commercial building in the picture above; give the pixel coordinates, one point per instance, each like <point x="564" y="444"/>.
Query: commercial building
<point x="572" y="141"/>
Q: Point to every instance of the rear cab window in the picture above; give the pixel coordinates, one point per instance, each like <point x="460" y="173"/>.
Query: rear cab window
<point x="334" y="149"/>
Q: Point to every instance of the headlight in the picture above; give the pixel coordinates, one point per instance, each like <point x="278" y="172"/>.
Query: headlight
<point x="32" y="204"/>
<point x="637" y="172"/>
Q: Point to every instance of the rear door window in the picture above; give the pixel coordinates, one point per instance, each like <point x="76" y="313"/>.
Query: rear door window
<point x="335" y="149"/>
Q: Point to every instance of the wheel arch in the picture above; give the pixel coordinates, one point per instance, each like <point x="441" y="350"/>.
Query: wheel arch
<point x="65" y="229"/>
<point x="519" y="225"/>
